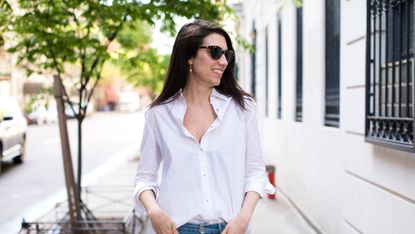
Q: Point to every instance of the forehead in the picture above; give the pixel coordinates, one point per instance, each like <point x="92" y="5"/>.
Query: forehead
<point x="215" y="39"/>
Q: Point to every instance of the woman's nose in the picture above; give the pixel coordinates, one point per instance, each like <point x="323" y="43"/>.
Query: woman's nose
<point x="222" y="60"/>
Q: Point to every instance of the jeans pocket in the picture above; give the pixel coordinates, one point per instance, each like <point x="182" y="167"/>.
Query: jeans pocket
<point x="187" y="230"/>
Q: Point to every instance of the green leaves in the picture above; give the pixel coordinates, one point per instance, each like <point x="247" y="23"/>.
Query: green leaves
<point x="298" y="3"/>
<point x="49" y="35"/>
<point x="5" y="11"/>
<point x="5" y="7"/>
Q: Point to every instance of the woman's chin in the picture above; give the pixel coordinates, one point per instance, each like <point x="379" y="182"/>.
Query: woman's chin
<point x="217" y="81"/>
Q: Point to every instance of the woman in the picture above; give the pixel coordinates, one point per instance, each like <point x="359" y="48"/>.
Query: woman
<point x="203" y="128"/>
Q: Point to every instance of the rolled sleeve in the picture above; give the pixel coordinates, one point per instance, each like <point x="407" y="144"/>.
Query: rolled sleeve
<point x="147" y="170"/>
<point x="256" y="179"/>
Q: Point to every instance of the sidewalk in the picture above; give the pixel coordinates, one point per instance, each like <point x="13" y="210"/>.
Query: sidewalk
<point x="278" y="216"/>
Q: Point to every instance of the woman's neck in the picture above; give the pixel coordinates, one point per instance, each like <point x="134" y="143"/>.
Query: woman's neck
<point x="197" y="95"/>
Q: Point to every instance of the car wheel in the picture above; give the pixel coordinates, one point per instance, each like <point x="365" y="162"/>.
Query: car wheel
<point x="19" y="159"/>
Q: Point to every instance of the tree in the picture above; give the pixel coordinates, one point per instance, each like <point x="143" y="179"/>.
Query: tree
<point x="5" y="11"/>
<point x="139" y="63"/>
<point x="49" y="35"/>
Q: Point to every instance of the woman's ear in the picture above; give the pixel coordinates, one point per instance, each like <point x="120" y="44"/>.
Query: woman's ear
<point x="190" y="62"/>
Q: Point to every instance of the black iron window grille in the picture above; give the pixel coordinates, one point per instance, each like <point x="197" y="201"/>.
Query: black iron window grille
<point x="299" y="67"/>
<point x="390" y="73"/>
<point x="332" y="89"/>
<point x="279" y="62"/>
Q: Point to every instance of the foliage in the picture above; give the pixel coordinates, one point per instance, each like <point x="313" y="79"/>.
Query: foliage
<point x="5" y="11"/>
<point x="139" y="63"/>
<point x="298" y="3"/>
<point x="39" y="98"/>
<point x="147" y="69"/>
<point x="50" y="34"/>
<point x="244" y="44"/>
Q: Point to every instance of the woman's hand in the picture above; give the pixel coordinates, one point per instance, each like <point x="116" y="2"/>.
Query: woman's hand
<point x="161" y="222"/>
<point x="237" y="225"/>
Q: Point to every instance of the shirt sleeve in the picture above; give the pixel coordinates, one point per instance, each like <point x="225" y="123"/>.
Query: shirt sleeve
<point x="256" y="179"/>
<point x="148" y="165"/>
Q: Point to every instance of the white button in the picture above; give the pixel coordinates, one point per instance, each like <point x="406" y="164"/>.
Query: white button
<point x="217" y="109"/>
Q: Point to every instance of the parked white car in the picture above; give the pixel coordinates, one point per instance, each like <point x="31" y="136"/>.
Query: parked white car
<point x="70" y="114"/>
<point x="13" y="129"/>
<point x="41" y="115"/>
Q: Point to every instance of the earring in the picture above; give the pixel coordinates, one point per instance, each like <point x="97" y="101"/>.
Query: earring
<point x="191" y="69"/>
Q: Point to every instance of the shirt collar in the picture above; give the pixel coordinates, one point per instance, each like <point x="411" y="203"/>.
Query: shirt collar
<point x="219" y="102"/>
<point x="216" y="94"/>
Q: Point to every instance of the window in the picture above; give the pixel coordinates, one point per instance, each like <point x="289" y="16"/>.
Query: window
<point x="332" y="89"/>
<point x="266" y="73"/>
<point x="253" y="61"/>
<point x="390" y="73"/>
<point x="279" y="60"/>
<point x="299" y="67"/>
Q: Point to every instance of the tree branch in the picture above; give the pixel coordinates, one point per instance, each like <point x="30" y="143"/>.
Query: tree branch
<point x="98" y="77"/>
<point x="110" y="39"/>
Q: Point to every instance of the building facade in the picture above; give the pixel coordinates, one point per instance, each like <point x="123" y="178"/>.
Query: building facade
<point x="336" y="107"/>
<point x="12" y="79"/>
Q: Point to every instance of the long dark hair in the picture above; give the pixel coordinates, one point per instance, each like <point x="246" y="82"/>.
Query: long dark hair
<point x="187" y="42"/>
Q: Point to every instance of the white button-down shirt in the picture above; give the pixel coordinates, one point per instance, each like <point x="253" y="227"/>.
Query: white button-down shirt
<point x="201" y="182"/>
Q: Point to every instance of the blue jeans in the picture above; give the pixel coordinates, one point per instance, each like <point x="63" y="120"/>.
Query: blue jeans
<point x="190" y="228"/>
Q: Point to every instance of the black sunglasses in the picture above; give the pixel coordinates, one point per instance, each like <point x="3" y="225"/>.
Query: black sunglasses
<point x="216" y="52"/>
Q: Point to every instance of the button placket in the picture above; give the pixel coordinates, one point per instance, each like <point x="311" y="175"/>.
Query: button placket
<point x="205" y="181"/>
<point x="208" y="208"/>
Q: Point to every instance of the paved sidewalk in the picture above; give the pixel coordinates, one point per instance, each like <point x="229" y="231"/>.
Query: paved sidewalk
<point x="278" y="216"/>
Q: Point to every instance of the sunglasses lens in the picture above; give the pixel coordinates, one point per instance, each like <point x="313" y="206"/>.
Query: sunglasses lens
<point x="229" y="55"/>
<point x="216" y="52"/>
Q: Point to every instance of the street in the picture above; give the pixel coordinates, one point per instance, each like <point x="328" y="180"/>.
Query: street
<point x="41" y="174"/>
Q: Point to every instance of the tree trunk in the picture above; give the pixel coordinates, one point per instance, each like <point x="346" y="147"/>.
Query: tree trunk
<point x="71" y="186"/>
<point x="80" y="119"/>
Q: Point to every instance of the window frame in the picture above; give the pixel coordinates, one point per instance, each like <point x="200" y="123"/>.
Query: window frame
<point x="253" y="60"/>
<point x="385" y="124"/>
<point x="299" y="66"/>
<point x="332" y="64"/>
<point x="279" y="64"/>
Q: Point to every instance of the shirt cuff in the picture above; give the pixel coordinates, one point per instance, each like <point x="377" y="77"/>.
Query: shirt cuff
<point x="139" y="208"/>
<point x="260" y="185"/>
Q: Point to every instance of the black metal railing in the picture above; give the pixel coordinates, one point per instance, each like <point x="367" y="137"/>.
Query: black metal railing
<point x="84" y="227"/>
<point x="105" y="209"/>
<point x="390" y="73"/>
